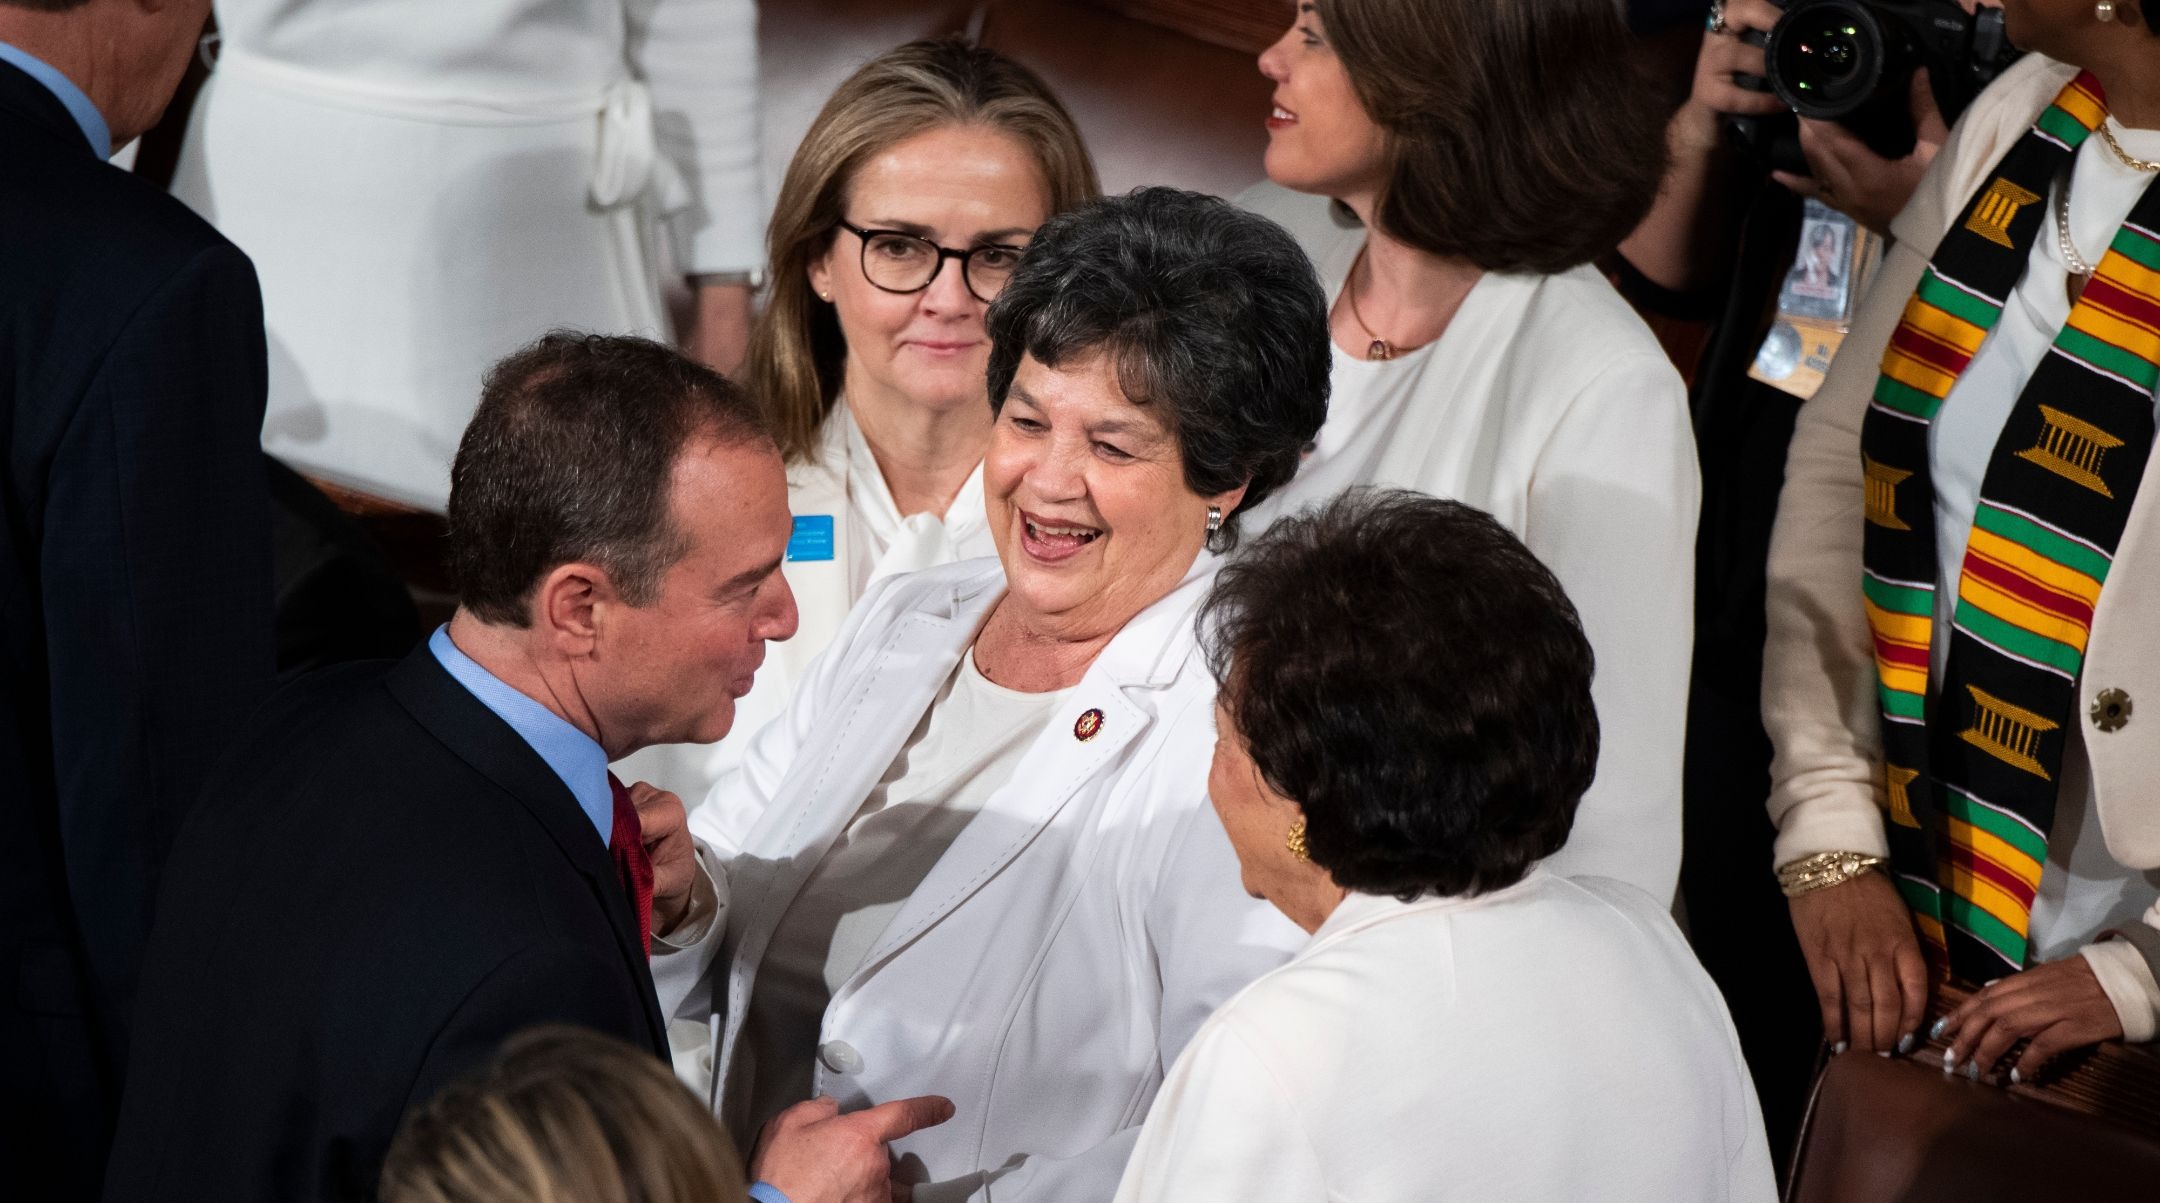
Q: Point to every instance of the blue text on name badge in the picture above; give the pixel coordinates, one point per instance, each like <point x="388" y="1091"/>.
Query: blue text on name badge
<point x="812" y="538"/>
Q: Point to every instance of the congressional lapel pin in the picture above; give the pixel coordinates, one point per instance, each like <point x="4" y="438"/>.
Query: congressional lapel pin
<point x="812" y="538"/>
<point x="1089" y="725"/>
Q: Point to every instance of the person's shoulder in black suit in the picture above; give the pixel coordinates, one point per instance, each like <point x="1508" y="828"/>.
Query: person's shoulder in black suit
<point x="353" y="915"/>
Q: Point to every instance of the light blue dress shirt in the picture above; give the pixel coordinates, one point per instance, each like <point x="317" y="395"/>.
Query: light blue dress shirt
<point x="573" y="755"/>
<point x="70" y="97"/>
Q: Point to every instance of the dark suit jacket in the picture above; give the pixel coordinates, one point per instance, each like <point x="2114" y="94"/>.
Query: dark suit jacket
<point x="134" y="597"/>
<point x="381" y="884"/>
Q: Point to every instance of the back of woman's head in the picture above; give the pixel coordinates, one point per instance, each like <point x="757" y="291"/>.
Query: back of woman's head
<point x="794" y="359"/>
<point x="1523" y="135"/>
<point x="563" y="1115"/>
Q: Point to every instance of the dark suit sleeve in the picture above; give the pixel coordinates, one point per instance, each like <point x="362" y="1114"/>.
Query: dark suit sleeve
<point x="155" y="575"/>
<point x="556" y="982"/>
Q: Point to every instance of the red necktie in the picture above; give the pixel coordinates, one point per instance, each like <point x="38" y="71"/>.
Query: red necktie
<point x="627" y="842"/>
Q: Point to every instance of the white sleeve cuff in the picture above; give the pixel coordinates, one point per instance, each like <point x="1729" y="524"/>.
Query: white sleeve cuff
<point x="2129" y="984"/>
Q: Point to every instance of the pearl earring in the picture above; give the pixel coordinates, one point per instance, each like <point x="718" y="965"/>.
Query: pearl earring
<point x="2104" y="11"/>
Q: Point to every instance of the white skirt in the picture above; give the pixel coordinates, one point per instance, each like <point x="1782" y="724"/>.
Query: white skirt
<point x="405" y="243"/>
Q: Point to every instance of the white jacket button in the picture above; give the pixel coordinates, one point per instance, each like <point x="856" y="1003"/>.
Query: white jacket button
<point x="840" y="1057"/>
<point x="2110" y="709"/>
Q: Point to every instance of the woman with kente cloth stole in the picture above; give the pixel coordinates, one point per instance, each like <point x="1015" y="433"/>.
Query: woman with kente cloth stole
<point x="1964" y="719"/>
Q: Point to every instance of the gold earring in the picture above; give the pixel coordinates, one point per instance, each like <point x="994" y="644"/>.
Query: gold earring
<point x="1296" y="841"/>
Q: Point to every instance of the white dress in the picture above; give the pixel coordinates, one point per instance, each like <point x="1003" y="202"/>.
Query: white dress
<point x="1548" y="404"/>
<point x="425" y="185"/>
<point x="1555" y="1040"/>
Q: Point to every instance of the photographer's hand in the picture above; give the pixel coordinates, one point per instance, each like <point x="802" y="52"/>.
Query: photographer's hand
<point x="1855" y="180"/>
<point x="1685" y="240"/>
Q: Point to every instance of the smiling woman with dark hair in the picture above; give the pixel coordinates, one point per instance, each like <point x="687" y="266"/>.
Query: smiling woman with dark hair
<point x="1453" y="169"/>
<point x="1464" y="1023"/>
<point x="976" y="851"/>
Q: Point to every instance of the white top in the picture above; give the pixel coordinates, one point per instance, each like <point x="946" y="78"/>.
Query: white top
<point x="881" y="541"/>
<point x="2083" y="889"/>
<point x="968" y="744"/>
<point x="841" y="485"/>
<point x="426" y="186"/>
<point x="1548" y="404"/>
<point x="1554" y="1040"/>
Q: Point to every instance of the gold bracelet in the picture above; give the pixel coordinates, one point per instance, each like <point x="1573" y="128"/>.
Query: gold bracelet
<point x="1822" y="870"/>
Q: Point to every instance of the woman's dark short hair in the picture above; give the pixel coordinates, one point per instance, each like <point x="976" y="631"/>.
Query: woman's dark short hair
<point x="569" y="459"/>
<point x="1522" y="135"/>
<point x="1211" y="313"/>
<point x="1404" y="669"/>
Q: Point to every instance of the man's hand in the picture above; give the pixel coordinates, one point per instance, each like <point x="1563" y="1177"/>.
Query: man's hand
<point x="666" y="831"/>
<point x="2059" y="1004"/>
<point x="719" y="330"/>
<point x="813" y="1154"/>
<point x="1865" y="959"/>
<point x="1855" y="180"/>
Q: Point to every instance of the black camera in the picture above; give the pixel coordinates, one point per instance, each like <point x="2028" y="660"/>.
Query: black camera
<point x="1852" y="61"/>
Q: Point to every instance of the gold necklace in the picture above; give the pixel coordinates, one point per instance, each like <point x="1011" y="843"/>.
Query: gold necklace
<point x="1381" y="349"/>
<point x="2134" y="164"/>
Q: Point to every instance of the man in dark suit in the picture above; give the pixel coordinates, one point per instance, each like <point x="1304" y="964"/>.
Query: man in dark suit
<point x="135" y="596"/>
<point x="403" y="863"/>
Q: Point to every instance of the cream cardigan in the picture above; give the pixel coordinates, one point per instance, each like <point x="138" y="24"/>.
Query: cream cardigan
<point x="1818" y="668"/>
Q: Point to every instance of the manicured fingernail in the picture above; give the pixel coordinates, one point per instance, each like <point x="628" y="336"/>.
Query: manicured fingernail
<point x="1906" y="1042"/>
<point x="1972" y="1070"/>
<point x="2015" y="1077"/>
<point x="1882" y="1052"/>
<point x="1838" y="1048"/>
<point x="1935" y="1032"/>
<point x="1950" y="1061"/>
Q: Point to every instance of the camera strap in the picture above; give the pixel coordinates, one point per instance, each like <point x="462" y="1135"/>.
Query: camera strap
<point x="1971" y="764"/>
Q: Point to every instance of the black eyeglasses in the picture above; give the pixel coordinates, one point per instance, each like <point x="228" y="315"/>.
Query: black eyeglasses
<point x="898" y="262"/>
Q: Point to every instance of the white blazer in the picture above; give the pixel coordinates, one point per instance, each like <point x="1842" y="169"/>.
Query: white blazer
<point x="1555" y="1040"/>
<point x="1056" y="959"/>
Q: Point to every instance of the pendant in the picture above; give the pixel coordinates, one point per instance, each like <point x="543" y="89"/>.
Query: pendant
<point x="1380" y="350"/>
<point x="2074" y="285"/>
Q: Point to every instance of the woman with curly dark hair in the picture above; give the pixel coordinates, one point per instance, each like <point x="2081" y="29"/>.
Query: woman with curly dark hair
<point x="1404" y="733"/>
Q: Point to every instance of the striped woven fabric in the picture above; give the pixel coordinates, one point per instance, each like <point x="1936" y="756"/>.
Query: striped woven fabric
<point x="1971" y="762"/>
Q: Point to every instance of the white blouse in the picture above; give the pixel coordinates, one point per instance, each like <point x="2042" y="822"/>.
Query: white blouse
<point x="1553" y="1040"/>
<point x="968" y="745"/>
<point x="1548" y="404"/>
<point x="2083" y="890"/>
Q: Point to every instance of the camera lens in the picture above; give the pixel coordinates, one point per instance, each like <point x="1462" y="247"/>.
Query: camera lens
<point x="1826" y="57"/>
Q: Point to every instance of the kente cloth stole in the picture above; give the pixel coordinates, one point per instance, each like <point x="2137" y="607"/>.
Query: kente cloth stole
<point x="1971" y="771"/>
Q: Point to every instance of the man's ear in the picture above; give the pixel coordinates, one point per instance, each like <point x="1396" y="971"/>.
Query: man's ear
<point x="565" y="603"/>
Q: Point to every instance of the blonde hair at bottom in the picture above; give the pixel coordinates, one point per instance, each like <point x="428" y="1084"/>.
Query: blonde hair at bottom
<point x="564" y="1115"/>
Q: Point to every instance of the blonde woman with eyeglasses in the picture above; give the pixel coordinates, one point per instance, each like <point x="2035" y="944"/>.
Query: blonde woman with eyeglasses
<point x="902" y="213"/>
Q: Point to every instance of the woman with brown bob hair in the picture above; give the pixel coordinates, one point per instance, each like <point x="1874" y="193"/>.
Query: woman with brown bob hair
<point x="902" y="213"/>
<point x="1453" y="167"/>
